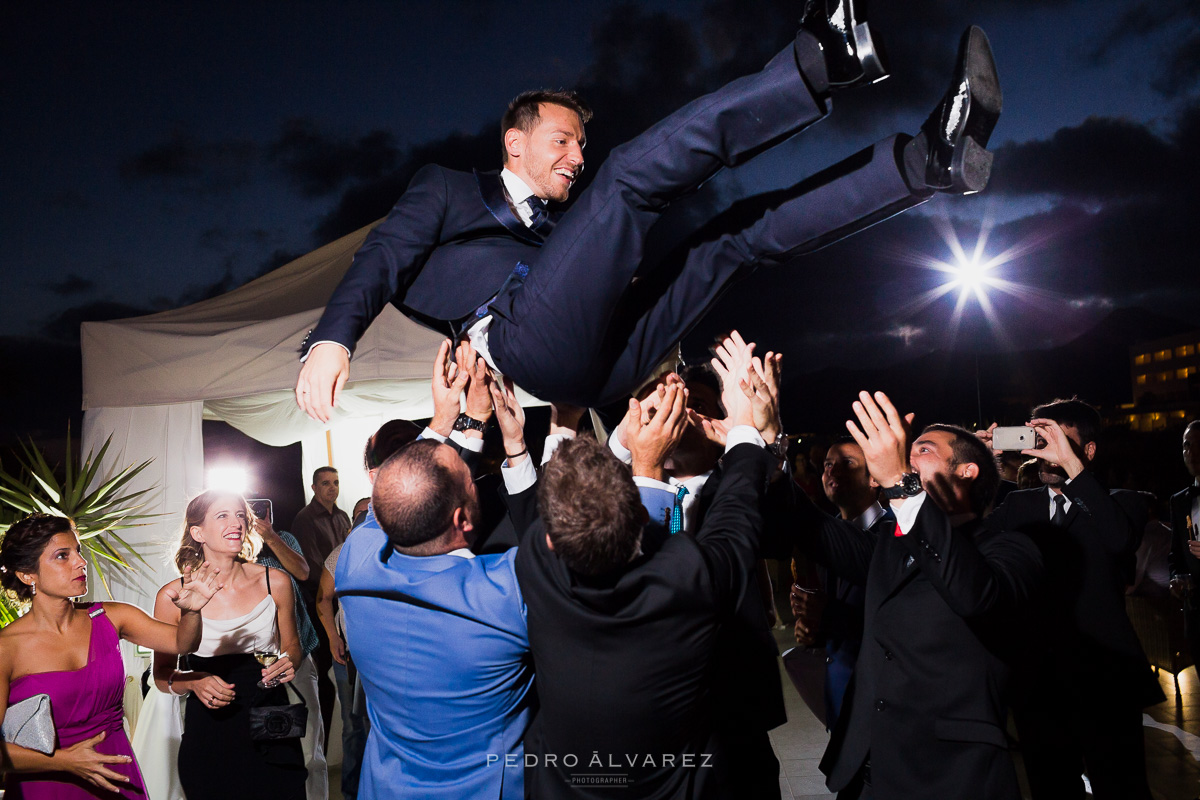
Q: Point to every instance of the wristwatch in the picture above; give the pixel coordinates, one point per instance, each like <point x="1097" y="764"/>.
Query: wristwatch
<point x="909" y="486"/>
<point x="778" y="448"/>
<point x="467" y="422"/>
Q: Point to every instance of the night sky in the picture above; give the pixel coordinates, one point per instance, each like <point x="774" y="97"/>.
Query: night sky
<point x="154" y="154"/>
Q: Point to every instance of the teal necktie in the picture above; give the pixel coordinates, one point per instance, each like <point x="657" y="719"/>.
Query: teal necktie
<point x="677" y="511"/>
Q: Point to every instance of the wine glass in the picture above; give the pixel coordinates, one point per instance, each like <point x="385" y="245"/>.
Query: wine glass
<point x="266" y="658"/>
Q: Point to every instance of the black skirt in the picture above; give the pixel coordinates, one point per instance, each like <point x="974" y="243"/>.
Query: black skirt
<point x="217" y="757"/>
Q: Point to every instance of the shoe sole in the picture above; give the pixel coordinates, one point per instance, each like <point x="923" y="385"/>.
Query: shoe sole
<point x="986" y="97"/>
<point x="971" y="167"/>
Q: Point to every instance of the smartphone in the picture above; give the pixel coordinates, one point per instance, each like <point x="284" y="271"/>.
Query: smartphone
<point x="1014" y="438"/>
<point x="263" y="509"/>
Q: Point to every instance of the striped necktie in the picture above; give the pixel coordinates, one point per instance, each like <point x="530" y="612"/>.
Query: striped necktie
<point x="677" y="511"/>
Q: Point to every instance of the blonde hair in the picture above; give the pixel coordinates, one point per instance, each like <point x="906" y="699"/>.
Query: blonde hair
<point x="190" y="554"/>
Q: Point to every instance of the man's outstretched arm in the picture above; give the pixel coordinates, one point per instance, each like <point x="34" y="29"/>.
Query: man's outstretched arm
<point x="384" y="267"/>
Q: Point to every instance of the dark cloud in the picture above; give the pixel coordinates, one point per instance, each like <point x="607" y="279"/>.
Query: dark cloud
<point x="318" y="163"/>
<point x="64" y="327"/>
<point x="1101" y="159"/>
<point x="72" y="285"/>
<point x="221" y="239"/>
<point x="1169" y="32"/>
<point x="194" y="167"/>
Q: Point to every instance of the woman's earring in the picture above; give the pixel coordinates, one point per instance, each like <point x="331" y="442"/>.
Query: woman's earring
<point x="33" y="590"/>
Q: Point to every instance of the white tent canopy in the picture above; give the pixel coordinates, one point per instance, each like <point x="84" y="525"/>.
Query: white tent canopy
<point x="149" y="382"/>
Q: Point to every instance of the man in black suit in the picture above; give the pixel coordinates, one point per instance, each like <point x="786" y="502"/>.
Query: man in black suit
<point x="622" y="633"/>
<point x="473" y="254"/>
<point x="925" y="714"/>
<point x="1185" y="549"/>
<point x="831" y="614"/>
<point x="1084" y="678"/>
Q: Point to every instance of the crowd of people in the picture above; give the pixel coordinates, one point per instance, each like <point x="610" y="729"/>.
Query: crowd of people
<point x="491" y="627"/>
<point x="605" y="619"/>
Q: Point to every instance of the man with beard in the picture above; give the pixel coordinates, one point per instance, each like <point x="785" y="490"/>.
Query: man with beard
<point x="1185" y="549"/>
<point x="547" y="303"/>
<point x="1084" y="678"/>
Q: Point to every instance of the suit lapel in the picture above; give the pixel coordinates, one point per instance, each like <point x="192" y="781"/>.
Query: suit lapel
<point x="491" y="192"/>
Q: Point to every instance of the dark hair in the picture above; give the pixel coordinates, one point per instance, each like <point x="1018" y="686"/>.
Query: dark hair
<point x="590" y="507"/>
<point x="190" y="555"/>
<point x="415" y="495"/>
<point x="967" y="448"/>
<point x="1075" y="412"/>
<point x="22" y="548"/>
<point x="391" y="436"/>
<point x="524" y="111"/>
<point x="319" y="470"/>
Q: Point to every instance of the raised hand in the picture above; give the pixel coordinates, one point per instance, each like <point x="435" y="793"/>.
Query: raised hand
<point x="883" y="436"/>
<point x="199" y="586"/>
<point x="322" y="377"/>
<point x="447" y="384"/>
<point x="761" y="387"/>
<point x="510" y="417"/>
<point x="651" y="441"/>
<point x="732" y="365"/>
<point x="1057" y="447"/>
<point x="469" y="363"/>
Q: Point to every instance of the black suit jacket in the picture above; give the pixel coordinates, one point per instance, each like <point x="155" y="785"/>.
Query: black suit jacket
<point x="927" y="701"/>
<point x="622" y="662"/>
<point x="1078" y="631"/>
<point x="1183" y="563"/>
<point x="449" y="229"/>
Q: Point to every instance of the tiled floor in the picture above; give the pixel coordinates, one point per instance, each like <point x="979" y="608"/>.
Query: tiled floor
<point x="1172" y="742"/>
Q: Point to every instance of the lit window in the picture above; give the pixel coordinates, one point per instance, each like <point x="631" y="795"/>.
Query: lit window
<point x="1163" y="377"/>
<point x="1179" y="414"/>
<point x="1141" y="380"/>
<point x="1162" y="355"/>
<point x="1184" y="350"/>
<point x="1144" y="358"/>
<point x="1182" y="374"/>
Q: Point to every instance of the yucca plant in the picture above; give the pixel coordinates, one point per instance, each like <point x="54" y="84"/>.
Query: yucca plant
<point x="97" y="506"/>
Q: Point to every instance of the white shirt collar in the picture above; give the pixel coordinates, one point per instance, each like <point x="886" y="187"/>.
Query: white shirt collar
<point x="1066" y="505"/>
<point x="518" y="192"/>
<point x="461" y="552"/>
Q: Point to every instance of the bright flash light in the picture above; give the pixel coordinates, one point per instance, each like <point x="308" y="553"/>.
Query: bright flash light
<point x="229" y="479"/>
<point x="971" y="275"/>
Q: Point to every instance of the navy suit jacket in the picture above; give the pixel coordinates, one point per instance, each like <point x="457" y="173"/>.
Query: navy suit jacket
<point x="445" y="249"/>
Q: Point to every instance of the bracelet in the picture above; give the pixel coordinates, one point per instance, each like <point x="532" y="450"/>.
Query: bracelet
<point x="511" y="456"/>
<point x="171" y="687"/>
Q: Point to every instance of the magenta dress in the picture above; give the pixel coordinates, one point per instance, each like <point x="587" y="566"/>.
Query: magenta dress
<point x="84" y="702"/>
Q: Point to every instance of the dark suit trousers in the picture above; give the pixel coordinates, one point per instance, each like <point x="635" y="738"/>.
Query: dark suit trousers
<point x="1060" y="735"/>
<point x="556" y="334"/>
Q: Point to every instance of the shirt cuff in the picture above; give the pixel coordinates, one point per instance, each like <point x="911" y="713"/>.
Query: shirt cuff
<point x="519" y="478"/>
<point x="430" y="433"/>
<point x="619" y="450"/>
<point x="552" y="442"/>
<point x="906" y="513"/>
<point x="471" y="443"/>
<point x="743" y="434"/>
<point x="304" y="357"/>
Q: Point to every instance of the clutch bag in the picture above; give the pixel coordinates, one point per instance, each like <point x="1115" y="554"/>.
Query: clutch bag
<point x="29" y="724"/>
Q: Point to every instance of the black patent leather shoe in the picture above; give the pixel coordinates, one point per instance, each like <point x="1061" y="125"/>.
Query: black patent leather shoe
<point x="840" y="26"/>
<point x="958" y="130"/>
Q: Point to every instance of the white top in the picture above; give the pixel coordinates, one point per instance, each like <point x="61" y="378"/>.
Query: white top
<point x="254" y="630"/>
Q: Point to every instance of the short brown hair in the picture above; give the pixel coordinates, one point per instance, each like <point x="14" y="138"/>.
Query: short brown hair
<point x="524" y="112"/>
<point x="590" y="507"/>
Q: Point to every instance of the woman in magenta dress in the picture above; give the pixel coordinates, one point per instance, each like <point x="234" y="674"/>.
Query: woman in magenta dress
<point x="71" y="652"/>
